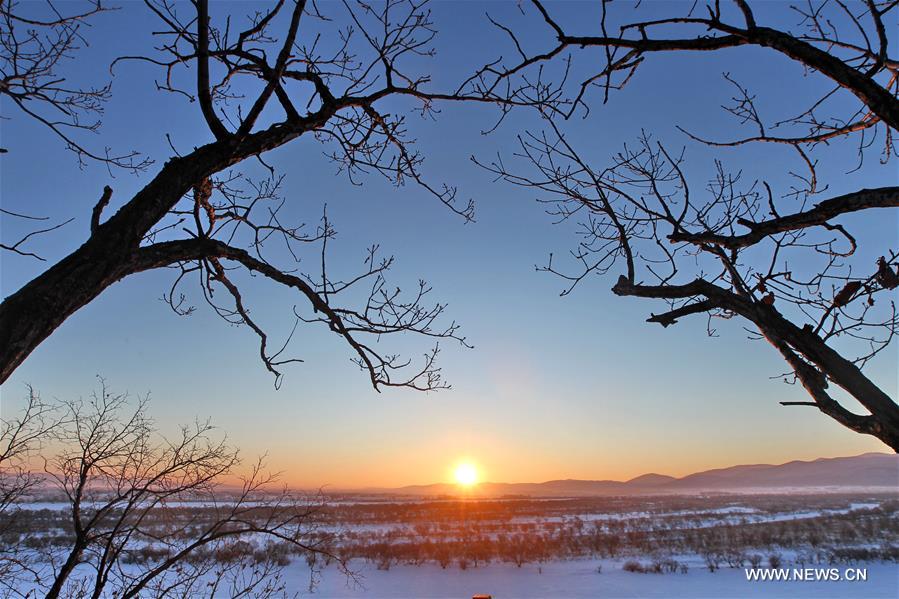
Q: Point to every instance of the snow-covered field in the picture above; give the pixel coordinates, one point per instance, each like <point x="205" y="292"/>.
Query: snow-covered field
<point x="573" y="548"/>
<point x="579" y="579"/>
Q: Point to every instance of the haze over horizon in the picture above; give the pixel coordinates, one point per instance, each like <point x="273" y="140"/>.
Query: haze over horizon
<point x="579" y="387"/>
<point x="849" y="459"/>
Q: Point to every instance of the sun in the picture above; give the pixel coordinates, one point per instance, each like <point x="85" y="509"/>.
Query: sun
<point x="466" y="474"/>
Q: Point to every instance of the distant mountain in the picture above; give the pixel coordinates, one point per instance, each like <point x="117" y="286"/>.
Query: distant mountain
<point x="870" y="470"/>
<point x="650" y="480"/>
<point x="866" y="470"/>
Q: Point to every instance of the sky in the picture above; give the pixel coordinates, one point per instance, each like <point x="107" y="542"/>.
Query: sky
<point x="555" y="387"/>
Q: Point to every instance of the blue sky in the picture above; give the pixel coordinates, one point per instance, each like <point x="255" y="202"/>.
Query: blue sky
<point x="574" y="387"/>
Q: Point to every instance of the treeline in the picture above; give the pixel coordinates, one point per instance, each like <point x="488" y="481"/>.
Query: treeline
<point x="471" y="534"/>
<point x="430" y="511"/>
<point x="862" y="535"/>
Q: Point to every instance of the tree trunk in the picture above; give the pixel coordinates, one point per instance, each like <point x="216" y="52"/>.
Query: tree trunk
<point x="31" y="314"/>
<point x="65" y="571"/>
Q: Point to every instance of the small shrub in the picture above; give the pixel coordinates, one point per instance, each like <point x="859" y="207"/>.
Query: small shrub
<point x="633" y="566"/>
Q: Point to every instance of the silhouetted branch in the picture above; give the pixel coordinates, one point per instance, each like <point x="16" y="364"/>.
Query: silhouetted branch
<point x="341" y="69"/>
<point x="16" y="247"/>
<point x="35" y="40"/>
<point x="98" y="209"/>
<point x="884" y="197"/>
<point x="795" y="275"/>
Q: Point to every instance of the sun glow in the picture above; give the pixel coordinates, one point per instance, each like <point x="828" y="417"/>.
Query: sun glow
<point x="466" y="474"/>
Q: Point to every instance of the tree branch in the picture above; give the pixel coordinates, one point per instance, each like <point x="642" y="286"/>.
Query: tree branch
<point x="882" y="197"/>
<point x="203" y="92"/>
<point x="98" y="208"/>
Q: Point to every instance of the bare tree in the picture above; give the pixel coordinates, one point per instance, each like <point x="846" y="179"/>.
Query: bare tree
<point x="783" y="260"/>
<point x="130" y="531"/>
<point x="204" y="219"/>
<point x="21" y="439"/>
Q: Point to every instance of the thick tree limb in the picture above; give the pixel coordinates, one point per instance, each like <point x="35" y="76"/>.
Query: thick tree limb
<point x="789" y="340"/>
<point x="882" y="197"/>
<point x="341" y="115"/>
<point x="667" y="319"/>
<point x="815" y="384"/>
<point x="879" y="100"/>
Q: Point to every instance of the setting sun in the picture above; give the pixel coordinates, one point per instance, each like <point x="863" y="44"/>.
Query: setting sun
<point x="466" y="474"/>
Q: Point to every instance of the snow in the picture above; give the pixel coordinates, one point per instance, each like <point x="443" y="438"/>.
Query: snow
<point x="577" y="580"/>
<point x="572" y="580"/>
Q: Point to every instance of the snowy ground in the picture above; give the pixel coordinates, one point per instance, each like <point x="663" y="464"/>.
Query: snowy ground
<point x="841" y="523"/>
<point x="579" y="579"/>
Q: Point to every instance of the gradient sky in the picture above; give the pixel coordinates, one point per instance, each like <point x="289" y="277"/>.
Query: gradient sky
<point x="574" y="387"/>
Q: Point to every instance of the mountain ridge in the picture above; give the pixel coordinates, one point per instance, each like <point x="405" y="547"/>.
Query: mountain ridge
<point x="869" y="470"/>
